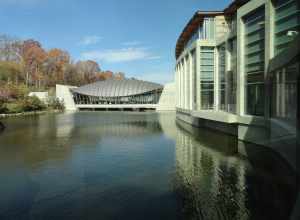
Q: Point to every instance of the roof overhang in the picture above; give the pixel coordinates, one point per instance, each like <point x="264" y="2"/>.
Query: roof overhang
<point x="191" y="27"/>
<point x="197" y="20"/>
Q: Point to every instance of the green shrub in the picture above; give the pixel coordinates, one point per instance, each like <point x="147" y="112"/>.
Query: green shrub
<point x="15" y="107"/>
<point x="3" y="108"/>
<point x="56" y="104"/>
<point x="32" y="104"/>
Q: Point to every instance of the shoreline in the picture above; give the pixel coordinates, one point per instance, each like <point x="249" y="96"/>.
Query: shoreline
<point x="3" y="116"/>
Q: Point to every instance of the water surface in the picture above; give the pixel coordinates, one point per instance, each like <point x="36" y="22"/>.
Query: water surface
<point x="100" y="165"/>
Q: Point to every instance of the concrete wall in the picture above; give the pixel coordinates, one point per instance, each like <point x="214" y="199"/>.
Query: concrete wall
<point x="167" y="99"/>
<point x="64" y="94"/>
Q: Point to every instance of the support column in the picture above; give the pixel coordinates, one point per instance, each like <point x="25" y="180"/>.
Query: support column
<point x="182" y="85"/>
<point x="216" y="79"/>
<point x="241" y="98"/>
<point x="185" y="82"/>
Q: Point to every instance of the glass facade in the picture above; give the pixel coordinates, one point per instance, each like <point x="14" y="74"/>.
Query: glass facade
<point x="254" y="61"/>
<point x="183" y="83"/>
<point x="193" y="38"/>
<point x="146" y="98"/>
<point x="188" y="82"/>
<point x="207" y="31"/>
<point x="287" y="21"/>
<point x="284" y="94"/>
<point x="194" y="71"/>
<point x="207" y="60"/>
<point x="222" y="79"/>
<point x="232" y="75"/>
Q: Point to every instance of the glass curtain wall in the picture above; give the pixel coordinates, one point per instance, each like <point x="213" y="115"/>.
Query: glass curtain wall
<point x="207" y="31"/>
<point x="146" y="98"/>
<point x="194" y="74"/>
<point x="188" y="82"/>
<point x="255" y="61"/>
<point x="207" y="61"/>
<point x="284" y="94"/>
<point x="287" y="22"/>
<point x="222" y="79"/>
<point x="232" y="75"/>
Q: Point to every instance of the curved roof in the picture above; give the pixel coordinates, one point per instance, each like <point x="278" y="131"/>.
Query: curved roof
<point x="117" y="88"/>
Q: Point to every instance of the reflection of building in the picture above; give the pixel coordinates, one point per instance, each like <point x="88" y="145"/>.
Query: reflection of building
<point x="216" y="184"/>
<point x="234" y="65"/>
<point x="212" y="182"/>
<point x="118" y="94"/>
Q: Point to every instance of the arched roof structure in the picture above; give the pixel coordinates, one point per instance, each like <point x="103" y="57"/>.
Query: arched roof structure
<point x="118" y="88"/>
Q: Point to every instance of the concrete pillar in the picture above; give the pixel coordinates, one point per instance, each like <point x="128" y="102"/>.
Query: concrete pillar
<point x="269" y="52"/>
<point x="240" y="68"/>
<point x="228" y="87"/>
<point x="182" y="85"/>
<point x="185" y="82"/>
<point x="216" y="79"/>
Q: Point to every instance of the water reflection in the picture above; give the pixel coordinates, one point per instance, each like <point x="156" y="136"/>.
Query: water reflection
<point x="135" y="166"/>
<point x="213" y="181"/>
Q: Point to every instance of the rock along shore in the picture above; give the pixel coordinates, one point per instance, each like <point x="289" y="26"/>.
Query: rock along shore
<point x="26" y="114"/>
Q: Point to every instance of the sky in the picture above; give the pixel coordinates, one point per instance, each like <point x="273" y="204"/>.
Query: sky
<point x="137" y="37"/>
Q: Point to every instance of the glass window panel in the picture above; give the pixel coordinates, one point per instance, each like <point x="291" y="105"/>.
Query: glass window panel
<point x="257" y="36"/>
<point x="207" y="55"/>
<point x="222" y="80"/>
<point x="207" y="86"/>
<point x="255" y="99"/>
<point x="208" y="62"/>
<point x="207" y="76"/>
<point x="207" y="100"/>
<point x="254" y="61"/>
<point x="287" y="18"/>
<point x="207" y="68"/>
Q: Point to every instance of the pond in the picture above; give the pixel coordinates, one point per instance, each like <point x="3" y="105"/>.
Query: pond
<point x="118" y="165"/>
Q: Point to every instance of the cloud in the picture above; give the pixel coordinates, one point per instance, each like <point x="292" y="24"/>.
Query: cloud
<point x="90" y="40"/>
<point x="131" y="43"/>
<point x="120" y="55"/>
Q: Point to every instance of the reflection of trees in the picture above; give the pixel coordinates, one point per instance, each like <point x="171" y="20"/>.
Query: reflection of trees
<point x="114" y="125"/>
<point x="215" y="183"/>
<point x="36" y="139"/>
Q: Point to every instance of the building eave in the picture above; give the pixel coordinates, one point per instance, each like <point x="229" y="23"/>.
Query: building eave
<point x="191" y="27"/>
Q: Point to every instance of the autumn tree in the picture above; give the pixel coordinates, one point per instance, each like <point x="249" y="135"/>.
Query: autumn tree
<point x="119" y="76"/>
<point x="34" y="56"/>
<point x="10" y="49"/>
<point x="88" y="70"/>
<point x="27" y="62"/>
<point x="55" y="66"/>
<point x="11" y="72"/>
<point x="72" y="76"/>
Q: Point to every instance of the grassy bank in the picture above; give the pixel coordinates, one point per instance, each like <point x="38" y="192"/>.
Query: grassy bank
<point x="14" y="100"/>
